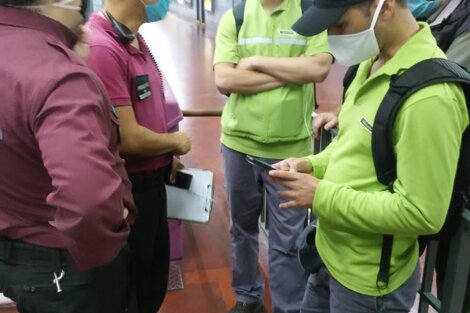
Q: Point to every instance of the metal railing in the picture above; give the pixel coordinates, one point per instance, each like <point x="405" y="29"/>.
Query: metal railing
<point x="455" y="283"/>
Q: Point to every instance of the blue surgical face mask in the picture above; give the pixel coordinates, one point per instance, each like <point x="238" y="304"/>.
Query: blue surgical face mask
<point x="156" y="11"/>
<point x="423" y="9"/>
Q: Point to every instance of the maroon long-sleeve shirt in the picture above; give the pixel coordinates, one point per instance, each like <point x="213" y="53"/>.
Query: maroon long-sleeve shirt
<point x="62" y="182"/>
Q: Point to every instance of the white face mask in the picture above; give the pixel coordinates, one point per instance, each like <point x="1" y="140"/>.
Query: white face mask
<point x="354" y="48"/>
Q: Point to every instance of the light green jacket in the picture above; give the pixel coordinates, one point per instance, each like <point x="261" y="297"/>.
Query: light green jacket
<point x="275" y="123"/>
<point x="353" y="208"/>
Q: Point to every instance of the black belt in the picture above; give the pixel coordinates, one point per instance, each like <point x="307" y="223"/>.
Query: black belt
<point x="142" y="181"/>
<point x="19" y="252"/>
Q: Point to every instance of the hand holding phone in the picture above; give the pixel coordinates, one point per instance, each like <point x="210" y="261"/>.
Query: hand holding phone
<point x="259" y="163"/>
<point x="183" y="180"/>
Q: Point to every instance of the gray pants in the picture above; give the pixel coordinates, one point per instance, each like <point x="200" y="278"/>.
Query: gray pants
<point x="245" y="184"/>
<point x="325" y="295"/>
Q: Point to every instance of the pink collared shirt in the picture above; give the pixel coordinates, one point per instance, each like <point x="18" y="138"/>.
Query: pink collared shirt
<point x="63" y="182"/>
<point x="126" y="71"/>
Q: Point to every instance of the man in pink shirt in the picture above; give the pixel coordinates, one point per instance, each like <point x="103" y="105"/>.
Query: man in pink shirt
<point x="134" y="83"/>
<point x="65" y="201"/>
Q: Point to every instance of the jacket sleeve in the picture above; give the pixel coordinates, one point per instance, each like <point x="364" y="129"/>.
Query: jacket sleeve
<point x="321" y="160"/>
<point x="226" y="41"/>
<point x="427" y="137"/>
<point x="74" y="132"/>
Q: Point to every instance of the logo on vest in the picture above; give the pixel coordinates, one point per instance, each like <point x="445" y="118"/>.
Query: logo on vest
<point x="366" y="125"/>
<point x="287" y="32"/>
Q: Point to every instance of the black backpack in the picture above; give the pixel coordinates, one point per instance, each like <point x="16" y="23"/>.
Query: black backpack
<point x="425" y="73"/>
<point x="239" y="12"/>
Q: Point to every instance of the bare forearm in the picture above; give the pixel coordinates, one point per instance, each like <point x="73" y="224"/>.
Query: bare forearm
<point x="141" y="141"/>
<point x="298" y="70"/>
<point x="233" y="80"/>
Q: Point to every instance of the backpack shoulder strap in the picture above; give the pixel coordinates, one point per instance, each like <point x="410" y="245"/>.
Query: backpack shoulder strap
<point x="348" y="78"/>
<point x="239" y="14"/>
<point x="420" y="75"/>
<point x="305" y="4"/>
<point x="423" y="74"/>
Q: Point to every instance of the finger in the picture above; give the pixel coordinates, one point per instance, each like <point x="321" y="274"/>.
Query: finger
<point x="125" y="213"/>
<point x="319" y="120"/>
<point x="288" y="205"/>
<point x="317" y="125"/>
<point x="331" y="124"/>
<point x="316" y="129"/>
<point x="283" y="182"/>
<point x="293" y="167"/>
<point x="177" y="164"/>
<point x="284" y="166"/>
<point x="277" y="181"/>
<point x="284" y="175"/>
<point x="288" y="194"/>
<point x="287" y="165"/>
<point x="173" y="176"/>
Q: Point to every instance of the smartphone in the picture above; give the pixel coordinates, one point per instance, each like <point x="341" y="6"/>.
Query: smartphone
<point x="259" y="163"/>
<point x="183" y="180"/>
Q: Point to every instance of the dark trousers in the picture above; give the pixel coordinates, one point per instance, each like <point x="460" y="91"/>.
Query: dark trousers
<point x="149" y="241"/>
<point x="325" y="294"/>
<point x="27" y="274"/>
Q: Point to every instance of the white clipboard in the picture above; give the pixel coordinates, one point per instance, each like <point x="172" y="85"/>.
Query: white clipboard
<point x="193" y="204"/>
<point x="6" y="302"/>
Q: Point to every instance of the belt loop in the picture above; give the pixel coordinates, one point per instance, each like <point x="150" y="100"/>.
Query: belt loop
<point x="59" y="260"/>
<point x="9" y="251"/>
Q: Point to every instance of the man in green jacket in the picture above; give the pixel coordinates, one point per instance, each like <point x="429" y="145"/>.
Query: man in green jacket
<point x="268" y="69"/>
<point x="354" y="210"/>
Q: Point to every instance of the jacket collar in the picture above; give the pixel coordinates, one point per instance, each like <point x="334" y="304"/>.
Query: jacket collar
<point x="24" y="18"/>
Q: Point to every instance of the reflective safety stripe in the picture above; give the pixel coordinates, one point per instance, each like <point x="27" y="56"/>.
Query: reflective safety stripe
<point x="254" y="40"/>
<point x="267" y="40"/>
<point x="293" y="42"/>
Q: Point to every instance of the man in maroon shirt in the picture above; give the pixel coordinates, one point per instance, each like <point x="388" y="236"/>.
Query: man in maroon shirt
<point x="134" y="84"/>
<point x="65" y="201"/>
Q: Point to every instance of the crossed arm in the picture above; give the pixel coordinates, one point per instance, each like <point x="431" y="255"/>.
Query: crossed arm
<point x="260" y="73"/>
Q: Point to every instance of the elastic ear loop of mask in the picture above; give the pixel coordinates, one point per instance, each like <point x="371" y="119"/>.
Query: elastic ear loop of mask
<point x="376" y="13"/>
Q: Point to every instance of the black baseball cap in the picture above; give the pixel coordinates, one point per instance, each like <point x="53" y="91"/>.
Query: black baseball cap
<point x="321" y="15"/>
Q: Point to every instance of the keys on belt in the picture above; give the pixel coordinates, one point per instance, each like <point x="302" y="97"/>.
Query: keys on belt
<point x="57" y="280"/>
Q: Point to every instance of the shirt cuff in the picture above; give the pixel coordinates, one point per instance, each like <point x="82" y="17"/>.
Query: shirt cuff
<point x="232" y="61"/>
<point x="318" y="165"/>
<point x="117" y="102"/>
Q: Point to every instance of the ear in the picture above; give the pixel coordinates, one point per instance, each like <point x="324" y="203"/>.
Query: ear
<point x="388" y="10"/>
